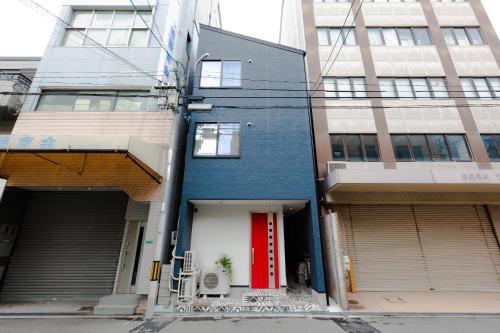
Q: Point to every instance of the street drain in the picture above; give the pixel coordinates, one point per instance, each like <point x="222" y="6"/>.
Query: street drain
<point x="355" y="325"/>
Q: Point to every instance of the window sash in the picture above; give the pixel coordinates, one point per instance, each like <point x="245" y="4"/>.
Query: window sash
<point x="355" y="147"/>
<point x="214" y="140"/>
<point x="431" y="147"/>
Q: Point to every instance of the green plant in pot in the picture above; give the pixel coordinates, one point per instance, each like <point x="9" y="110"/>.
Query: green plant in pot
<point x="225" y="262"/>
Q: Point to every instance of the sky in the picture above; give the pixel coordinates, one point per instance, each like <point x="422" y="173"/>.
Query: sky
<point x="25" y="32"/>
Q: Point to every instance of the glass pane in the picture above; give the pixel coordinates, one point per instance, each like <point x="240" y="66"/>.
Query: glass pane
<point x="489" y="144"/>
<point x="371" y="150"/>
<point x="421" y="88"/>
<point x="458" y="147"/>
<point x="81" y="18"/>
<point x="468" y="87"/>
<point x="495" y="85"/>
<point x="349" y="36"/>
<point x="229" y="139"/>
<point x="205" y="142"/>
<point x="337" y="147"/>
<point x="133" y="103"/>
<point x="344" y="88"/>
<point x="335" y="38"/>
<point x="73" y="37"/>
<point x="448" y="36"/>
<point x="102" y="19"/>
<point x="146" y="16"/>
<point x="405" y="37"/>
<point x="55" y="102"/>
<point x="354" y="151"/>
<point x="439" y="88"/>
<point x="210" y="74"/>
<point x="94" y="103"/>
<point x="482" y="88"/>
<point x="404" y="88"/>
<point x="390" y="37"/>
<point x="118" y="37"/>
<point x="475" y="36"/>
<point x="387" y="87"/>
<point x="323" y="36"/>
<point x="231" y="73"/>
<point x="461" y="36"/>
<point x="419" y="147"/>
<point x="95" y="37"/>
<point x="422" y="36"/>
<point x="359" y="87"/>
<point x="139" y="38"/>
<point x="374" y="37"/>
<point x="439" y="150"/>
<point x="123" y="19"/>
<point x="330" y="90"/>
<point x="401" y="149"/>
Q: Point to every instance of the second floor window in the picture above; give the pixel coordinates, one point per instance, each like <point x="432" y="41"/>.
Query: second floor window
<point x="336" y="36"/>
<point x="345" y="87"/>
<point x="112" y="28"/>
<point x="96" y="100"/>
<point x="481" y="87"/>
<point x="413" y="88"/>
<point x="217" y="140"/>
<point x="463" y="36"/>
<point x="430" y="147"/>
<point x="492" y="145"/>
<point x="216" y="74"/>
<point x="355" y="147"/>
<point x="399" y="36"/>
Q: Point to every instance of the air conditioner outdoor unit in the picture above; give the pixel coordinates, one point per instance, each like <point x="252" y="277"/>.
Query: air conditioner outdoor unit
<point x="214" y="282"/>
<point x="332" y="166"/>
<point x="190" y="261"/>
<point x="187" y="288"/>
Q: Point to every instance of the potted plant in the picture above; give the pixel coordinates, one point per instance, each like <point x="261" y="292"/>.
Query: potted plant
<point x="225" y="262"/>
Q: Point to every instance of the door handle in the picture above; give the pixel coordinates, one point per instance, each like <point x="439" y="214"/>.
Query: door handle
<point x="253" y="255"/>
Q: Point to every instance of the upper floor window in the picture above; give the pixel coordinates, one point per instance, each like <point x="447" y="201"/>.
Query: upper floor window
<point x="345" y="87"/>
<point x="492" y="145"/>
<point x="430" y="147"/>
<point x="481" y="87"/>
<point x="217" y="140"/>
<point x="399" y="36"/>
<point x="112" y="28"/>
<point x="415" y="87"/>
<point x="96" y="100"/>
<point x="463" y="36"/>
<point x="355" y="147"/>
<point x="215" y="74"/>
<point x="336" y="36"/>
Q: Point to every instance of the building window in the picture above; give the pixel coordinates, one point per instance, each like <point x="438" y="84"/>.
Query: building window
<point x="113" y="28"/>
<point x="430" y="147"/>
<point x="413" y="88"/>
<point x="355" y="147"/>
<point x="399" y="36"/>
<point x="216" y="74"/>
<point x="345" y="87"/>
<point x="336" y="36"/>
<point x="492" y="145"/>
<point x="481" y="87"/>
<point x="96" y="100"/>
<point x="217" y="140"/>
<point x="463" y="36"/>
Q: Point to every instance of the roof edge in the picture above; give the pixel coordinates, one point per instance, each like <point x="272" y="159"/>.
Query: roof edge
<point x="252" y="39"/>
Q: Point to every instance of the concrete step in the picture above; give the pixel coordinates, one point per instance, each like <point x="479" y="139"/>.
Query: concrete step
<point x="117" y="304"/>
<point x="119" y="299"/>
<point x="114" y="310"/>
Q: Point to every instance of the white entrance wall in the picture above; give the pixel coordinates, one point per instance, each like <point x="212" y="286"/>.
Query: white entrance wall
<point x="226" y="229"/>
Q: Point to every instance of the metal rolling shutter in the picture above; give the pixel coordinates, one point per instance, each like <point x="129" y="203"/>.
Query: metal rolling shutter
<point x="383" y="244"/>
<point x="68" y="248"/>
<point x="460" y="248"/>
<point x="422" y="248"/>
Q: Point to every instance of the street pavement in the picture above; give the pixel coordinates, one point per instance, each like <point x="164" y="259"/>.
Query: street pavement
<point x="482" y="324"/>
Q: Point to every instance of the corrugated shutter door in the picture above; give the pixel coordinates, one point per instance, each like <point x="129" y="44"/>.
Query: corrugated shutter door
<point x="459" y="248"/>
<point x="383" y="244"/>
<point x="422" y="248"/>
<point x="68" y="248"/>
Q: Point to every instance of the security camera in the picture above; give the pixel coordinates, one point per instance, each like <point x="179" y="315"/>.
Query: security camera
<point x="249" y="124"/>
<point x="249" y="61"/>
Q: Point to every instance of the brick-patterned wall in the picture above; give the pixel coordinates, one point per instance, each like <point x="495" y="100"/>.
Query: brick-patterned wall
<point x="153" y="127"/>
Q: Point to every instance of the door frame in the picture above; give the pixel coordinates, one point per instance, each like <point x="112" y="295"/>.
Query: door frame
<point x="277" y="243"/>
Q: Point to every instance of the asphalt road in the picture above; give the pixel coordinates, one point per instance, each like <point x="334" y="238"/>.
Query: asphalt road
<point x="254" y="325"/>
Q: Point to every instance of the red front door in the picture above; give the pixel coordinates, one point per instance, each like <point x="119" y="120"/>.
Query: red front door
<point x="264" y="251"/>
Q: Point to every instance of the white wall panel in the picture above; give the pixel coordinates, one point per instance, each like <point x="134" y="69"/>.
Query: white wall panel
<point x="348" y="62"/>
<point x="332" y="14"/>
<point x="475" y="60"/>
<point x="454" y="14"/>
<point x="350" y="116"/>
<point x="487" y="117"/>
<point x="393" y="14"/>
<point x="407" y="61"/>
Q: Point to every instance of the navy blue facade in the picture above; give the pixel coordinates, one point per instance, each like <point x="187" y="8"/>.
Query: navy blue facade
<point x="276" y="153"/>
